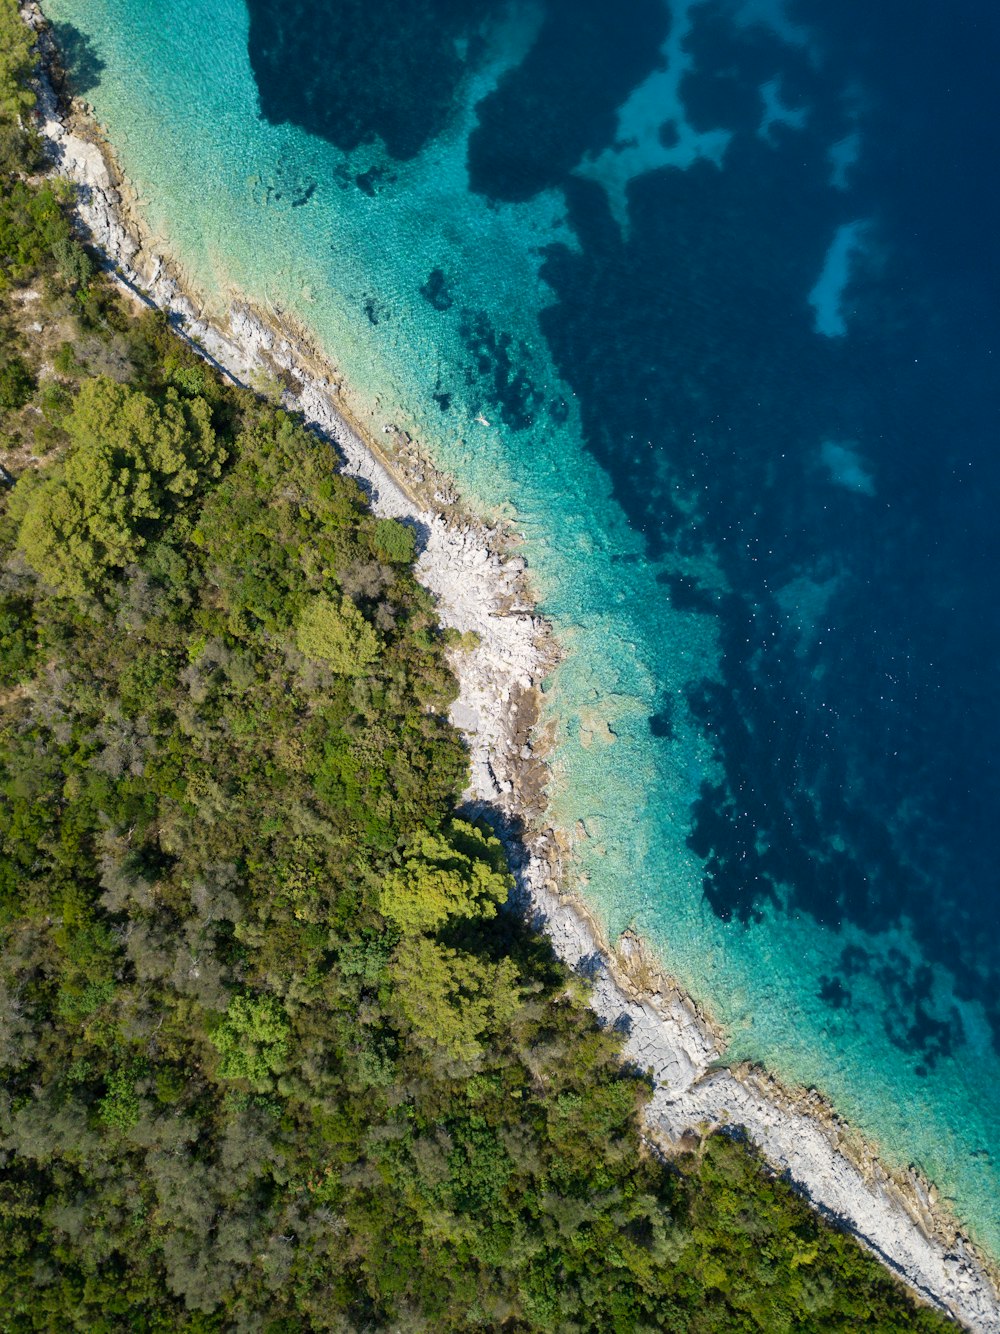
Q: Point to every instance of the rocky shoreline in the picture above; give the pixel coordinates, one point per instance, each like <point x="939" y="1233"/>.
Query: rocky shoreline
<point x="480" y="584"/>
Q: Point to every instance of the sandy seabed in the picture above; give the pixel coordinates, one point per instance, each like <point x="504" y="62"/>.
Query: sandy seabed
<point x="481" y="584"/>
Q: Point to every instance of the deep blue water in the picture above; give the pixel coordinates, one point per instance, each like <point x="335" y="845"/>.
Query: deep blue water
<point x="734" y="333"/>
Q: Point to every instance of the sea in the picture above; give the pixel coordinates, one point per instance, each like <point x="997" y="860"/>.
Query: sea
<point x="701" y="296"/>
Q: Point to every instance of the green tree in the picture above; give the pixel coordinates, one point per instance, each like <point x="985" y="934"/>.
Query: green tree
<point x="452" y="999"/>
<point x="253" y="1040"/>
<point x="18" y="640"/>
<point x="336" y="633"/>
<point x="119" y="1108"/>
<point x="17" y="64"/>
<point x="458" y="873"/>
<point x="32" y="224"/>
<point x="394" y="541"/>
<point x="73" y="262"/>
<point x="131" y="462"/>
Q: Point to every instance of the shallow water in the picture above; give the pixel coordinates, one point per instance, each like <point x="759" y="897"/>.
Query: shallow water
<point x="706" y="295"/>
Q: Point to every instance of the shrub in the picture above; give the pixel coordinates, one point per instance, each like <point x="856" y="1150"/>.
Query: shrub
<point x="394" y="541"/>
<point x="119" y="1108"/>
<point x="17" y="383"/>
<point x="451" y="998"/>
<point x="18" y="640"/>
<point x="458" y="874"/>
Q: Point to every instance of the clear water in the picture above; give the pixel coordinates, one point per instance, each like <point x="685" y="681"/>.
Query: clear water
<point x="722" y="280"/>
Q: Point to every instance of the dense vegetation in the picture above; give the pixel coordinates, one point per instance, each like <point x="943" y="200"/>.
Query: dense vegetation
<point x="272" y="1056"/>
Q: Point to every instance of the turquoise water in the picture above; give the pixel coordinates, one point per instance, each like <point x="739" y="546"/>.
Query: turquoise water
<point x="638" y="285"/>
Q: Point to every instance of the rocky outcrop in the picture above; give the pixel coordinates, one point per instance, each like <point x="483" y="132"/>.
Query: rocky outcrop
<point x="480" y="585"/>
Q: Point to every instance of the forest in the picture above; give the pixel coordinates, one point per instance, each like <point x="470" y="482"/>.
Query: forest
<point x="275" y="1053"/>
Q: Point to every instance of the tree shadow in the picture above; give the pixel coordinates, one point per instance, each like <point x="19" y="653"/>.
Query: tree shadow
<point x="82" y="67"/>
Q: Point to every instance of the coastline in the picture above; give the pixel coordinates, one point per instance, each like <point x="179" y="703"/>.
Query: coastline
<point x="481" y="584"/>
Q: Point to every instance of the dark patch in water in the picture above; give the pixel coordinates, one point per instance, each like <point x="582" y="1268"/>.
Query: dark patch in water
<point x="495" y="371"/>
<point x="435" y="290"/>
<point x="686" y="594"/>
<point x="834" y="994"/>
<point x="363" y="70"/>
<point x="668" y="134"/>
<point x="287" y="188"/>
<point x="370" y="181"/>
<point x="442" y="397"/>
<point x="661" y="723"/>
<point x="304" y="197"/>
<point x="560" y="102"/>
<point x="908" y="988"/>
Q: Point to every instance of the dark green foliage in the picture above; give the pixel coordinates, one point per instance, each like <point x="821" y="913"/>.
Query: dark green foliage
<point x="32" y="228"/>
<point x="394" y="541"/>
<point x="17" y="384"/>
<point x="72" y="262"/>
<point x="270" y="1058"/>
<point x="18" y="640"/>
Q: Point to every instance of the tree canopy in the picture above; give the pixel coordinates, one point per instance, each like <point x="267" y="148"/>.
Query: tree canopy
<point x="452" y="999"/>
<point x="335" y="632"/>
<point x="460" y="872"/>
<point x="131" y="462"/>
<point x="17" y="64"/>
<point x="253" y="1040"/>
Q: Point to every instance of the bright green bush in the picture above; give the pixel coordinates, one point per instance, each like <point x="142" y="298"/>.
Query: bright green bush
<point x="451" y="999"/>
<point x="336" y="633"/>
<point x="119" y="1108"/>
<point x="253" y="1040"/>
<point x="458" y="873"/>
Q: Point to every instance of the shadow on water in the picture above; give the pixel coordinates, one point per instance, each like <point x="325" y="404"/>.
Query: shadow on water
<point x="82" y="67"/>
